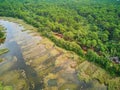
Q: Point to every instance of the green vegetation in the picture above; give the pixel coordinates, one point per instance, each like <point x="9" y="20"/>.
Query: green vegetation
<point x="2" y="34"/>
<point x="2" y="38"/>
<point x="12" y="80"/>
<point x="2" y="51"/>
<point x="2" y="87"/>
<point x="88" y="71"/>
<point x="90" y="28"/>
<point x="1" y="60"/>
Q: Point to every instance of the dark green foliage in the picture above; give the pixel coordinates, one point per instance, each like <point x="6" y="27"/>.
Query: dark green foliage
<point x="83" y="24"/>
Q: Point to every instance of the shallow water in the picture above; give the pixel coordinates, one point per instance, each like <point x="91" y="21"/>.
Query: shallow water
<point x="14" y="59"/>
<point x="27" y="59"/>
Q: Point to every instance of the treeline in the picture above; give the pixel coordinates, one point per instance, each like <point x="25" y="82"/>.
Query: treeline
<point x="71" y="46"/>
<point x="83" y="24"/>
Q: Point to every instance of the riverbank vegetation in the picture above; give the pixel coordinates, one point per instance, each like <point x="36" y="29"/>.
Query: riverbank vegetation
<point x="2" y="38"/>
<point x="90" y="28"/>
<point x="81" y="26"/>
<point x="2" y="34"/>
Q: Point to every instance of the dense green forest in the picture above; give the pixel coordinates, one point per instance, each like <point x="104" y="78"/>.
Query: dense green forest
<point x="90" y="28"/>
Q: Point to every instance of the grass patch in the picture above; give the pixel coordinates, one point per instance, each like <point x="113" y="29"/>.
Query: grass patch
<point x="13" y="80"/>
<point x="88" y="71"/>
<point x="1" y="60"/>
<point x="2" y="51"/>
<point x="2" y="34"/>
<point x="3" y="87"/>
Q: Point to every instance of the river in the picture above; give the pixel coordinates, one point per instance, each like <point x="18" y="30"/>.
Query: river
<point x="29" y="65"/>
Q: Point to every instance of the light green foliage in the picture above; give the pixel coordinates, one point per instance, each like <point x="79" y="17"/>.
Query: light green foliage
<point x="68" y="35"/>
<point x="2" y="87"/>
